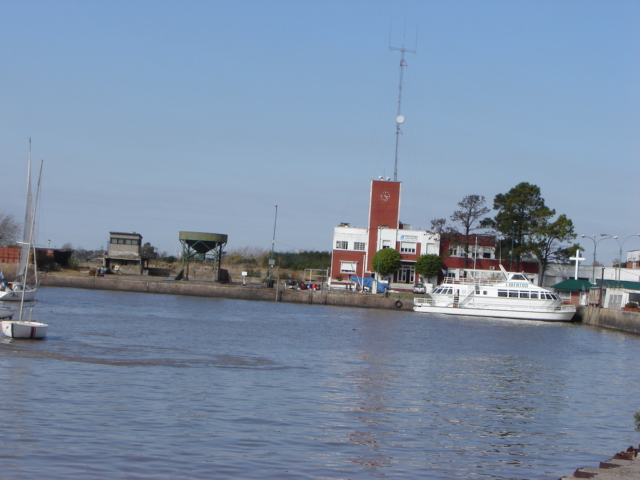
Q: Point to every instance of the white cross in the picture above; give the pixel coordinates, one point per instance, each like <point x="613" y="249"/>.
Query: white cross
<point x="577" y="259"/>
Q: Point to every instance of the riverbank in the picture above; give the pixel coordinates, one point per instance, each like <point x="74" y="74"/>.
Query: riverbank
<point x="623" y="466"/>
<point x="200" y="288"/>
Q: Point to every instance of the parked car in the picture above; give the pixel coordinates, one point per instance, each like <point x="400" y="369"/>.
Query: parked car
<point x="419" y="288"/>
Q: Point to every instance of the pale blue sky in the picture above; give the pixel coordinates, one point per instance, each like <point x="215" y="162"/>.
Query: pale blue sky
<point x="162" y="116"/>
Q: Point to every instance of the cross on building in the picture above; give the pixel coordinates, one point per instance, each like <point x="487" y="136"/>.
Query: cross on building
<point x="577" y="259"/>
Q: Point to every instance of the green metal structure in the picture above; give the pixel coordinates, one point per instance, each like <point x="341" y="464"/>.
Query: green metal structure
<point x="199" y="243"/>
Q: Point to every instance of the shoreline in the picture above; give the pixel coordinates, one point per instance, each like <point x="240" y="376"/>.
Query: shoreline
<point x="203" y="288"/>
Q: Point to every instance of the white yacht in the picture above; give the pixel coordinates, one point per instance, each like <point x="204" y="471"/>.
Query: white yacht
<point x="515" y="297"/>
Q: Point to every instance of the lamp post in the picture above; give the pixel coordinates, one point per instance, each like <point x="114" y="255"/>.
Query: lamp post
<point x="620" y="255"/>
<point x="595" y="245"/>
<point x="273" y="243"/>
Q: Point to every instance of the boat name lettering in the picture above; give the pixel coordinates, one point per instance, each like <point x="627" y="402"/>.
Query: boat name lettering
<point x="517" y="285"/>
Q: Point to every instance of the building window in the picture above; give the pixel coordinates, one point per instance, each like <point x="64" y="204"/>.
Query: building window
<point x="359" y="246"/>
<point x="348" y="267"/>
<point x="406" y="247"/>
<point x="341" y="245"/>
<point x="486" y="255"/>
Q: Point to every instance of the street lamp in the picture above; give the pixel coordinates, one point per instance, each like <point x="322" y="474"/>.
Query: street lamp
<point x="595" y="245"/>
<point x="620" y="256"/>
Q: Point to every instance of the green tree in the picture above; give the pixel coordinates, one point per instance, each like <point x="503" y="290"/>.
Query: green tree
<point x="521" y="212"/>
<point x="429" y="265"/>
<point x="386" y="261"/>
<point x="472" y="208"/>
<point x="545" y="242"/>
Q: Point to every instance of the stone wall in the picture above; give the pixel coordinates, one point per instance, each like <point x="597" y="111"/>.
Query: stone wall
<point x="202" y="289"/>
<point x="608" y="318"/>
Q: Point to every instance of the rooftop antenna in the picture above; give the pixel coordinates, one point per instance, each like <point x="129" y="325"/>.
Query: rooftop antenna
<point x="400" y="117"/>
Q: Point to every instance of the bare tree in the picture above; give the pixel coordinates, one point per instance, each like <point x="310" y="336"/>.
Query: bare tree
<point x="9" y="230"/>
<point x="472" y="207"/>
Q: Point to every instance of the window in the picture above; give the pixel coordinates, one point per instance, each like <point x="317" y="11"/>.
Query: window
<point x="513" y="294"/>
<point x="502" y="293"/>
<point x="534" y="294"/>
<point x="406" y="247"/>
<point x="486" y="255"/>
<point x="341" y="245"/>
<point x="359" y="246"/>
<point x="524" y="294"/>
<point x="348" y="267"/>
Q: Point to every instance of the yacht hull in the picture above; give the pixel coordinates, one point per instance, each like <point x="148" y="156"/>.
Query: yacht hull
<point x="560" y="315"/>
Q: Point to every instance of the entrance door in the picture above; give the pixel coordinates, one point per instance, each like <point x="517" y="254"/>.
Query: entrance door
<point x="406" y="274"/>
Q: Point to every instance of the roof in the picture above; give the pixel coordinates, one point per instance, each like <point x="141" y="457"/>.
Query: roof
<point x="128" y="234"/>
<point x="619" y="284"/>
<point x="572" y="285"/>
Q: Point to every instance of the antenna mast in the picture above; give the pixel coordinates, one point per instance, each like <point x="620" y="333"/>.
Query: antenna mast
<point x="399" y="117"/>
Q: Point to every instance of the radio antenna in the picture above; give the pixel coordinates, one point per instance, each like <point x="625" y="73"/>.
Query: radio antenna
<point x="400" y="117"/>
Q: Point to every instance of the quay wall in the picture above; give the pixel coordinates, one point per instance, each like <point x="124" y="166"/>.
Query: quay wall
<point x="608" y="318"/>
<point x="203" y="289"/>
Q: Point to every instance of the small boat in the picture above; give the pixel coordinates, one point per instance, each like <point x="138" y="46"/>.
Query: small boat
<point x="13" y="292"/>
<point x="6" y="313"/>
<point x="25" y="327"/>
<point x="516" y="297"/>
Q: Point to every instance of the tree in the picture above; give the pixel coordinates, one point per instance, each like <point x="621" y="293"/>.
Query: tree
<point x="429" y="265"/>
<point x="9" y="230"/>
<point x="545" y="242"/>
<point x="386" y="261"/>
<point x="439" y="225"/>
<point x="149" y="251"/>
<point x="472" y="207"/>
<point x="521" y="211"/>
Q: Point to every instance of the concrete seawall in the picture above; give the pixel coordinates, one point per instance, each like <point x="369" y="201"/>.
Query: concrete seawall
<point x="207" y="289"/>
<point x="613" y="319"/>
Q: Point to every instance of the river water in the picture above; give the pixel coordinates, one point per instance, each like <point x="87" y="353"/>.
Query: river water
<point x="132" y="386"/>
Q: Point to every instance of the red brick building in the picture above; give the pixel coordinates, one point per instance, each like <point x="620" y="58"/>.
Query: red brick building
<point x="354" y="247"/>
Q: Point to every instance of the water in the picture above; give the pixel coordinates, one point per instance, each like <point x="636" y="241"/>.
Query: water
<point x="133" y="386"/>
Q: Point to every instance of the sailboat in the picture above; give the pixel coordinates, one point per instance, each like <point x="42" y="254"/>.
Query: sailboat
<point x="25" y="327"/>
<point x="19" y="290"/>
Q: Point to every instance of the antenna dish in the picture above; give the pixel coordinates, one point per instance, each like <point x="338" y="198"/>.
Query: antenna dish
<point x="400" y="119"/>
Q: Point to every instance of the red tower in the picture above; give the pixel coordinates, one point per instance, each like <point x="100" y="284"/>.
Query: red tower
<point x="384" y="211"/>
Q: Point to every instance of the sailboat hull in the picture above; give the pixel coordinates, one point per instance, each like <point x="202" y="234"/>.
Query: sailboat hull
<point x="24" y="329"/>
<point x="16" y="295"/>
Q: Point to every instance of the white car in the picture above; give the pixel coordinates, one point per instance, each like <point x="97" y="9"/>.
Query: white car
<point x="419" y="288"/>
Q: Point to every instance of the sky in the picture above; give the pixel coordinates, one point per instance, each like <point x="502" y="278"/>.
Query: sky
<point x="166" y="116"/>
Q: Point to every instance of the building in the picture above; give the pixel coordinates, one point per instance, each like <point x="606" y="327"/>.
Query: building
<point x="354" y="247"/>
<point x="575" y="292"/>
<point x="125" y="254"/>
<point x="478" y="255"/>
<point x="633" y="259"/>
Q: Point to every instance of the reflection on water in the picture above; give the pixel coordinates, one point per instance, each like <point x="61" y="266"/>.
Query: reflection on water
<point x="154" y="386"/>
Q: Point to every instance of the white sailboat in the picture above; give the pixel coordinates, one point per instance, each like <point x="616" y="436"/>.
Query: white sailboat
<point x="19" y="290"/>
<point x="25" y="327"/>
